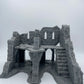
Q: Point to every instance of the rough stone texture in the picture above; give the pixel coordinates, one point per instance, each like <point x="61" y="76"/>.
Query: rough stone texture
<point x="49" y="31"/>
<point x="76" y="74"/>
<point x="36" y="42"/>
<point x="64" y="69"/>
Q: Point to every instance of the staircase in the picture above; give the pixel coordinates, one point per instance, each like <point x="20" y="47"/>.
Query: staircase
<point x="62" y="64"/>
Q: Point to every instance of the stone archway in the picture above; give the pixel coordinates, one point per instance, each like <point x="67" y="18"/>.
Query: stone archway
<point x="48" y="55"/>
<point x="27" y="57"/>
<point x="22" y="57"/>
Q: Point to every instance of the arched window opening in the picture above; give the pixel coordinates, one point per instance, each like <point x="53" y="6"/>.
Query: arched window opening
<point x="58" y="44"/>
<point x="49" y="54"/>
<point x="27" y="57"/>
<point x="45" y="35"/>
<point x="53" y="35"/>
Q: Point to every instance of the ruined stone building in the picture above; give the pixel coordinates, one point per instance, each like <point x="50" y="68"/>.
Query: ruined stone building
<point x="63" y="67"/>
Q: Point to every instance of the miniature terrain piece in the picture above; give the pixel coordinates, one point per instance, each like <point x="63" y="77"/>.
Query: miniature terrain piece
<point x="64" y="68"/>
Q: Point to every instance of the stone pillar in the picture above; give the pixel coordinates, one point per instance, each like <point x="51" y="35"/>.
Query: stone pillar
<point x="10" y="50"/>
<point x="35" y="57"/>
<point x="52" y="55"/>
<point x="36" y="42"/>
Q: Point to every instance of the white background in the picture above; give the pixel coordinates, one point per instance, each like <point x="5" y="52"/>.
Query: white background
<point x="27" y="15"/>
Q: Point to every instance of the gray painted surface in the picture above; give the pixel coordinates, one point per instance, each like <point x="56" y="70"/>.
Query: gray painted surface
<point x="64" y="69"/>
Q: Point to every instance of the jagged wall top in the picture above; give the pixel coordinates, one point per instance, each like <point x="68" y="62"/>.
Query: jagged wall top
<point x="48" y="35"/>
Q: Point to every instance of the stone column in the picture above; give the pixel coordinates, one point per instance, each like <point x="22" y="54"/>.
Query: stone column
<point x="10" y="50"/>
<point x="36" y="42"/>
<point x="35" y="57"/>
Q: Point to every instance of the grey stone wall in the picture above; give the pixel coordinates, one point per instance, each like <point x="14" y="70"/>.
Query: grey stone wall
<point x="49" y="31"/>
<point x="31" y="37"/>
<point x="23" y="38"/>
<point x="10" y="64"/>
<point x="74" y="69"/>
<point x="12" y="43"/>
<point x="48" y="41"/>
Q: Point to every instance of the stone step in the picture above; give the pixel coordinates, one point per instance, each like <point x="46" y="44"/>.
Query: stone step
<point x="58" y="61"/>
<point x="61" y="51"/>
<point x="61" y="58"/>
<point x="62" y="68"/>
<point x="59" y="54"/>
<point x="61" y="61"/>
<point x="62" y="65"/>
<point x="64" y="74"/>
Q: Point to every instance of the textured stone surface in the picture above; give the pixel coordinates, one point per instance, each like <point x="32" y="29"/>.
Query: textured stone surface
<point x="64" y="69"/>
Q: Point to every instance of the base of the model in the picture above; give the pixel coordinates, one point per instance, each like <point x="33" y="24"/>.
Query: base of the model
<point x="49" y="67"/>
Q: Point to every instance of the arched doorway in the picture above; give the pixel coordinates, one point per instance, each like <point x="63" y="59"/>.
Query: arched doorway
<point x="48" y="55"/>
<point x="27" y="57"/>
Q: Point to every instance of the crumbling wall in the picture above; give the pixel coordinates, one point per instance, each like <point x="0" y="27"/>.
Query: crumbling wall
<point x="31" y="37"/>
<point x="74" y="69"/>
<point x="24" y="39"/>
<point x="49" y="31"/>
<point x="14" y="41"/>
